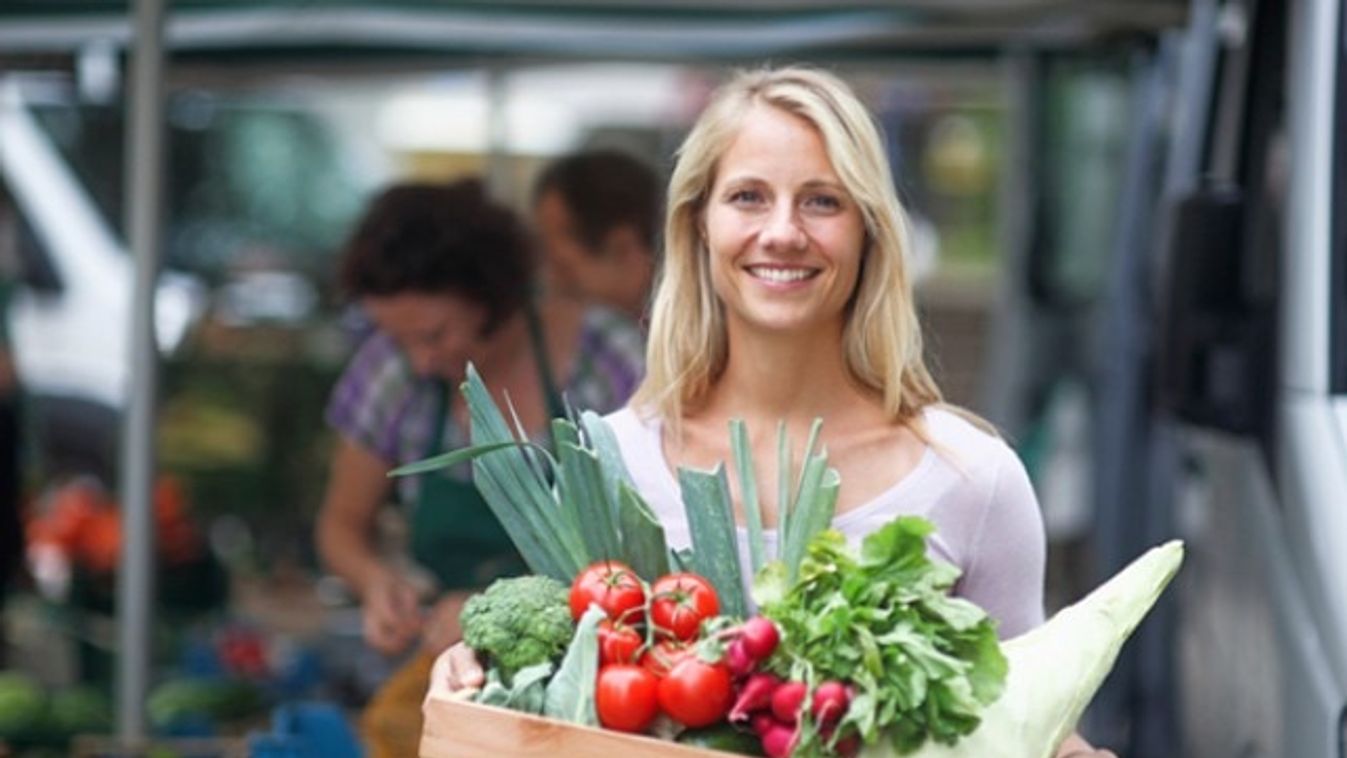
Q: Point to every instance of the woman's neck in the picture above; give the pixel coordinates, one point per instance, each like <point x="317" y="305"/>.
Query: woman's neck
<point x="790" y="377"/>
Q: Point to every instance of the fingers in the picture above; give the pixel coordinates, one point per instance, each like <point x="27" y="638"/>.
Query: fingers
<point x="391" y="617"/>
<point x="455" y="675"/>
<point x="439" y="680"/>
<point x="464" y="670"/>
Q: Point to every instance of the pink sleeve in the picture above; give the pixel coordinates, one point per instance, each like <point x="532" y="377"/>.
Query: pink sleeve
<point x="1008" y="553"/>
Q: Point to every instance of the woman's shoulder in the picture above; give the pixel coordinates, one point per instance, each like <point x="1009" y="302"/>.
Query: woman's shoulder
<point x="630" y="424"/>
<point x="968" y="442"/>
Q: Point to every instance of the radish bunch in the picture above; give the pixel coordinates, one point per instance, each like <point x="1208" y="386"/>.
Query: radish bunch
<point x="775" y="709"/>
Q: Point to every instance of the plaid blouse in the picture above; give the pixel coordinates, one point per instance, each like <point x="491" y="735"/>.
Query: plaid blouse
<point x="382" y="405"/>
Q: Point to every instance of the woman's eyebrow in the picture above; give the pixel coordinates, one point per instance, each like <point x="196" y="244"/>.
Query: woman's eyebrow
<point x="831" y="184"/>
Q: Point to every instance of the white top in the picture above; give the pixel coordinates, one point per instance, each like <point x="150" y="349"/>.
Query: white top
<point x="970" y="484"/>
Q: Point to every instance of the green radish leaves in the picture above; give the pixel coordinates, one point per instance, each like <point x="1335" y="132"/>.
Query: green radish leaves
<point x="925" y="665"/>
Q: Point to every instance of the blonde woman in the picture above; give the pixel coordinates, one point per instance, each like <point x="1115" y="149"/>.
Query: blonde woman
<point x="785" y="296"/>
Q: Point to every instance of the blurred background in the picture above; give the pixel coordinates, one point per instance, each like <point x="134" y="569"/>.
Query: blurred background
<point x="1104" y="194"/>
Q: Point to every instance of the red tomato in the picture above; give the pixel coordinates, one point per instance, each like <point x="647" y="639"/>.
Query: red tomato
<point x="626" y="697"/>
<point x="680" y="602"/>
<point x="612" y="586"/>
<point x="696" y="693"/>
<point x="659" y="659"/>
<point x="618" y="643"/>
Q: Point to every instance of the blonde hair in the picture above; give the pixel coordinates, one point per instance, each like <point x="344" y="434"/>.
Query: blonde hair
<point x="688" y="344"/>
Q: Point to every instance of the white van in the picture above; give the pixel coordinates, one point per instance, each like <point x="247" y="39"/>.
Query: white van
<point x="1211" y="346"/>
<point x="258" y="198"/>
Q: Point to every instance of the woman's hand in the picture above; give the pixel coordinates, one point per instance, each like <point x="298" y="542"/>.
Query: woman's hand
<point x="456" y="674"/>
<point x="1075" y="746"/>
<point x="391" y="614"/>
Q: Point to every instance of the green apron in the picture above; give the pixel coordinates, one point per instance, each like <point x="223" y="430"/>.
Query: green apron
<point x="454" y="534"/>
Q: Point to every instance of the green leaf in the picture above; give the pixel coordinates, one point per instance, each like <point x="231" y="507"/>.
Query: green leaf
<point x="900" y="543"/>
<point x="715" y="549"/>
<point x="570" y="694"/>
<point x="643" y="544"/>
<point x="526" y="692"/>
<point x="814" y="510"/>
<point x="542" y="556"/>
<point x="520" y="498"/>
<point x="583" y="493"/>
<point x="748" y="488"/>
<point x="680" y="560"/>
<point x="461" y="455"/>
<point x="604" y="444"/>
<point x="771" y="584"/>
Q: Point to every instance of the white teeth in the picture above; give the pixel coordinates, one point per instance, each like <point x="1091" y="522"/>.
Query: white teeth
<point x="780" y="274"/>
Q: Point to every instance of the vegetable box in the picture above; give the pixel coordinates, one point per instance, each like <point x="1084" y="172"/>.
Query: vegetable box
<point x="466" y="730"/>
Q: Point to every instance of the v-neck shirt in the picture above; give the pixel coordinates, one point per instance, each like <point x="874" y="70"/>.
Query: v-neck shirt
<point x="968" y="482"/>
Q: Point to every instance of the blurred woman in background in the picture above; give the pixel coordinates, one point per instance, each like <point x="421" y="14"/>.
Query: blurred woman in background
<point x="447" y="276"/>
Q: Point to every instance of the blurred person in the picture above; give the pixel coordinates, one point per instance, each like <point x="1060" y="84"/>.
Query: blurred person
<point x="446" y="275"/>
<point x="596" y="214"/>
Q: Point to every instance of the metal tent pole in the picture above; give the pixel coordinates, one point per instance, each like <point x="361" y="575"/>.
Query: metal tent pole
<point x="144" y="159"/>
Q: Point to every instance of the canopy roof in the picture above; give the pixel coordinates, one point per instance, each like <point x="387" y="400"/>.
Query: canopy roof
<point x="657" y="29"/>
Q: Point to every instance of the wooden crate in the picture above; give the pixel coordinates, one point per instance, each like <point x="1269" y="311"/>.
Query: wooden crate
<point x="468" y="730"/>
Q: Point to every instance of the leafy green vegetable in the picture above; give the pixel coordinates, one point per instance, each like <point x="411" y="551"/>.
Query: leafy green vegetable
<point x="570" y="694"/>
<point x="715" y="548"/>
<point x="562" y="515"/>
<point x="925" y="664"/>
<point x="526" y="691"/>
<point x="642" y="536"/>
<point x="584" y="492"/>
<point x="1056" y="669"/>
<point x="519" y="622"/>
<point x="520" y="497"/>
<point x="748" y="488"/>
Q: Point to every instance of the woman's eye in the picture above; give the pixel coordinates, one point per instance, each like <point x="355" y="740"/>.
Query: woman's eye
<point x="823" y="202"/>
<point x="745" y="197"/>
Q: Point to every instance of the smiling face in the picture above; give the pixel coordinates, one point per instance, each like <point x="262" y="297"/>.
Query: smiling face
<point x="439" y="333"/>
<point x="784" y="235"/>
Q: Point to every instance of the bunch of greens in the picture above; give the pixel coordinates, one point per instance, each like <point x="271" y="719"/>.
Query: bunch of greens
<point x="924" y="664"/>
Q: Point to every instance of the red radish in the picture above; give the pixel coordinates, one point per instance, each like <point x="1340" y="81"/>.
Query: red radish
<point x="763" y="722"/>
<point x="759" y="636"/>
<point x="738" y="660"/>
<point x="830" y="702"/>
<point x="786" y="701"/>
<point x="755" y="695"/>
<point x="779" y="741"/>
<point x="848" y="746"/>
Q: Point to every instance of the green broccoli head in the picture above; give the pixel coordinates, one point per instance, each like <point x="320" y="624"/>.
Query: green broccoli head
<point x="519" y="622"/>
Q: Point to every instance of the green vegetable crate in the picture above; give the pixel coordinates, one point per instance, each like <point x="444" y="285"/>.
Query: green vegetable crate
<point x="467" y="730"/>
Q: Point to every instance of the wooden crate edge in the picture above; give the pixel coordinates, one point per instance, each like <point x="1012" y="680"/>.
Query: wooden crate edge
<point x="498" y="732"/>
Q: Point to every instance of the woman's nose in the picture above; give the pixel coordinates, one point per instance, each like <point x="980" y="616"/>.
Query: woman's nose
<point x="781" y="230"/>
